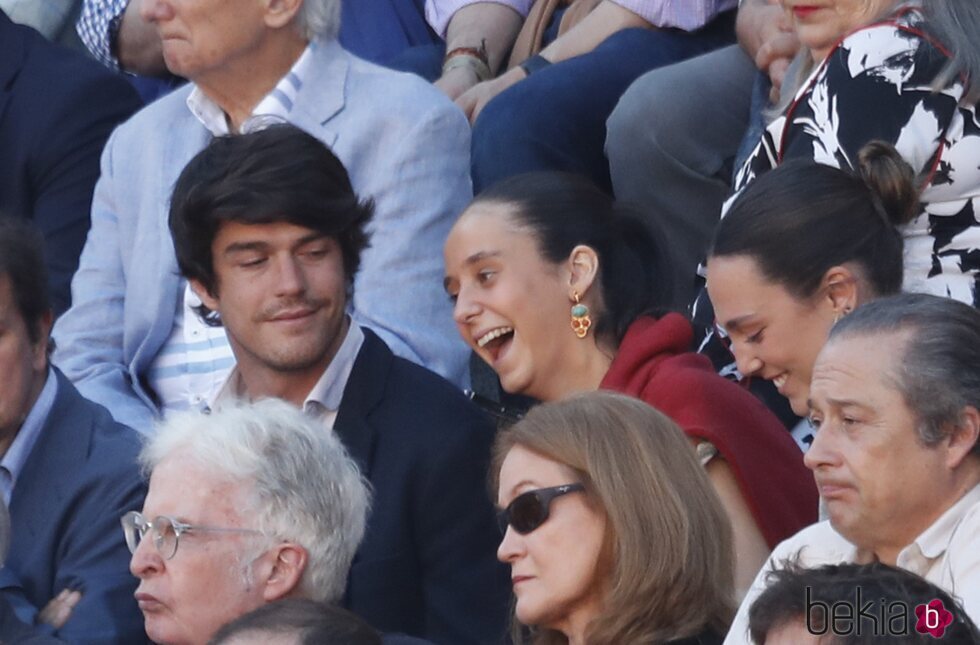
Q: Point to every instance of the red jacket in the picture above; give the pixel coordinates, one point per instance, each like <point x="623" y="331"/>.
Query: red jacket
<point x="654" y="364"/>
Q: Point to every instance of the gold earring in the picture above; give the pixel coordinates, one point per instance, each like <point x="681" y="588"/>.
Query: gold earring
<point x="580" y="317"/>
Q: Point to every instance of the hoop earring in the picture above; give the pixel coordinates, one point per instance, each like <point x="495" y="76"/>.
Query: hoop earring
<point x="580" y="317"/>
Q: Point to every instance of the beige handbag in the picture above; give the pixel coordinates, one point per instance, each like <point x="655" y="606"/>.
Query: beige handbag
<point x="529" y="39"/>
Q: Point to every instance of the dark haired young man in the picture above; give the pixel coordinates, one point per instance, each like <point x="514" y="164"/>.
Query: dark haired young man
<point x="268" y="232"/>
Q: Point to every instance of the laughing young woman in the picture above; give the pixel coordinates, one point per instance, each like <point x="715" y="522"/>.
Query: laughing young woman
<point x="556" y="287"/>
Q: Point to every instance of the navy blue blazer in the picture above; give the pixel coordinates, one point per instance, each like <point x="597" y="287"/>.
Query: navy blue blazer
<point x="57" y="109"/>
<point x="427" y="566"/>
<point x="78" y="480"/>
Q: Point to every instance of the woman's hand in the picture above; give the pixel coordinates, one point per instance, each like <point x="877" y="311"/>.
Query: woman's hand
<point x="476" y="98"/>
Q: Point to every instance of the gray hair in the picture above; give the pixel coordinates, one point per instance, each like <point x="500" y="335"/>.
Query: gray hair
<point x="302" y="484"/>
<point x="938" y="374"/>
<point x="320" y="19"/>
<point x="956" y="24"/>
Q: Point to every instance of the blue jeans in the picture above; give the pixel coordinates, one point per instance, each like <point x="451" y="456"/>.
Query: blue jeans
<point x="556" y="119"/>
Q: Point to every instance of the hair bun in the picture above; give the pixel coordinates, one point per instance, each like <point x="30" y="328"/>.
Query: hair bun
<point x="891" y="180"/>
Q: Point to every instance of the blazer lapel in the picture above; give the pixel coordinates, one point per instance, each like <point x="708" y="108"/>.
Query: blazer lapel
<point x="50" y="467"/>
<point x="323" y="94"/>
<point x="362" y="394"/>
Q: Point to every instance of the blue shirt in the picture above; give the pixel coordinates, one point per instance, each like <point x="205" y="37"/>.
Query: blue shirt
<point x="13" y="460"/>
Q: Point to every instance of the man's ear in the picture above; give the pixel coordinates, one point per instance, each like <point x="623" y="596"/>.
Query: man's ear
<point x="40" y="350"/>
<point x="963" y="438"/>
<point x="281" y="13"/>
<point x="207" y="299"/>
<point x="288" y="566"/>
<point x="583" y="266"/>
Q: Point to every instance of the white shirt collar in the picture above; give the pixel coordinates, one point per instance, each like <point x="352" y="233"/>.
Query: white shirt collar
<point x="277" y="104"/>
<point x="326" y="394"/>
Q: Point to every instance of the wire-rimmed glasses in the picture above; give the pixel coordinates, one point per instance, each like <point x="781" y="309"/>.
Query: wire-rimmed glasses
<point x="166" y="532"/>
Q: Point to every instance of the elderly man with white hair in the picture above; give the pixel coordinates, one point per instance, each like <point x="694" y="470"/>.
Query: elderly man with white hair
<point x="246" y="506"/>
<point x="131" y="340"/>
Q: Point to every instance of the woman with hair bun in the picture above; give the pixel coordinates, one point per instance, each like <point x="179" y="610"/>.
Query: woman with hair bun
<point x="611" y="528"/>
<point x="802" y="246"/>
<point x="557" y="288"/>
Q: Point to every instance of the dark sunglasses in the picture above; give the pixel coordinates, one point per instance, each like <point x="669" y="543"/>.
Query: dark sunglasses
<point x="529" y="510"/>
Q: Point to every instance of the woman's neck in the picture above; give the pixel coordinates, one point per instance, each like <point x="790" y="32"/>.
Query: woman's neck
<point x="582" y="371"/>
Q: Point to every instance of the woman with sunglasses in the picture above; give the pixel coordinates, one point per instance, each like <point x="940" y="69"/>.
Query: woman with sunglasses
<point x="611" y="527"/>
<point x="802" y="246"/>
<point x="558" y="289"/>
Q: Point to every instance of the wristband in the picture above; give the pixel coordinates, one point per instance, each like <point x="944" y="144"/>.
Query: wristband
<point x="473" y="58"/>
<point x="477" y="66"/>
<point x="534" y="63"/>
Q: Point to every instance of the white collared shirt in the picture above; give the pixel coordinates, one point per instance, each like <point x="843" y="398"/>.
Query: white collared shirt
<point x="277" y="104"/>
<point x="946" y="554"/>
<point x="323" y="401"/>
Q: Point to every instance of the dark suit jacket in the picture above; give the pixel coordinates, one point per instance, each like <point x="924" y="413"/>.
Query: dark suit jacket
<point x="14" y="632"/>
<point x="427" y="566"/>
<point x="77" y="482"/>
<point x="57" y="109"/>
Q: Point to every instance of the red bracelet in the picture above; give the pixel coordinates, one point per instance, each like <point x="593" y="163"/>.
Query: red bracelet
<point x="476" y="52"/>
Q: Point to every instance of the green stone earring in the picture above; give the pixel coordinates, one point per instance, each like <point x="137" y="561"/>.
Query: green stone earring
<point x="580" y="317"/>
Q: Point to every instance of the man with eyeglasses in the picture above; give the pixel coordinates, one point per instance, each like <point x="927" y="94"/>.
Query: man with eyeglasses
<point x="67" y="471"/>
<point x="268" y="231"/>
<point x="247" y="505"/>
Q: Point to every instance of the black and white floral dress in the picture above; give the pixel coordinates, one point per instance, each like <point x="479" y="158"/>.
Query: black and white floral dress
<point x="876" y="84"/>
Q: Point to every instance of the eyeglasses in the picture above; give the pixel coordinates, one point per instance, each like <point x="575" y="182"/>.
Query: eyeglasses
<point x="166" y="532"/>
<point x="529" y="510"/>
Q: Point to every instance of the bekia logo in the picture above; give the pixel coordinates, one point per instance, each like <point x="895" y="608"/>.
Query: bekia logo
<point x="933" y="618"/>
<point x="863" y="616"/>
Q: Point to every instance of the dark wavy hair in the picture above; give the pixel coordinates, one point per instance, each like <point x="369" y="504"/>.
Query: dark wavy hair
<point x="795" y="593"/>
<point x="563" y="210"/>
<point x="22" y="262"/>
<point x="276" y="174"/>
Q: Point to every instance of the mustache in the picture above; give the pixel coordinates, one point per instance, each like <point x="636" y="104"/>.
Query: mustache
<point x="279" y="307"/>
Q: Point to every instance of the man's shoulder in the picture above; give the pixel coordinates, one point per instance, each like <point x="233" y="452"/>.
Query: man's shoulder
<point x="815" y="545"/>
<point x="405" y="380"/>
<point x="55" y="81"/>
<point x="160" y="116"/>
<point x="417" y="395"/>
<point x="101" y="445"/>
<point x="401" y="96"/>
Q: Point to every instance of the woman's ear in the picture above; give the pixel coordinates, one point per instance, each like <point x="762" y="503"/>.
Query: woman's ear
<point x="840" y="288"/>
<point x="583" y="264"/>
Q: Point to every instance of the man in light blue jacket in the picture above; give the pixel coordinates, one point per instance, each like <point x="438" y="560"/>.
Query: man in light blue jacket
<point x="130" y="341"/>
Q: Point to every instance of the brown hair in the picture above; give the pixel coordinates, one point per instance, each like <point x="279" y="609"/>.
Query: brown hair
<point x="670" y="541"/>
<point x="802" y="218"/>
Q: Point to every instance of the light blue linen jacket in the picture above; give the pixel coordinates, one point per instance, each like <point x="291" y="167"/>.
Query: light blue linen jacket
<point x="403" y="142"/>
